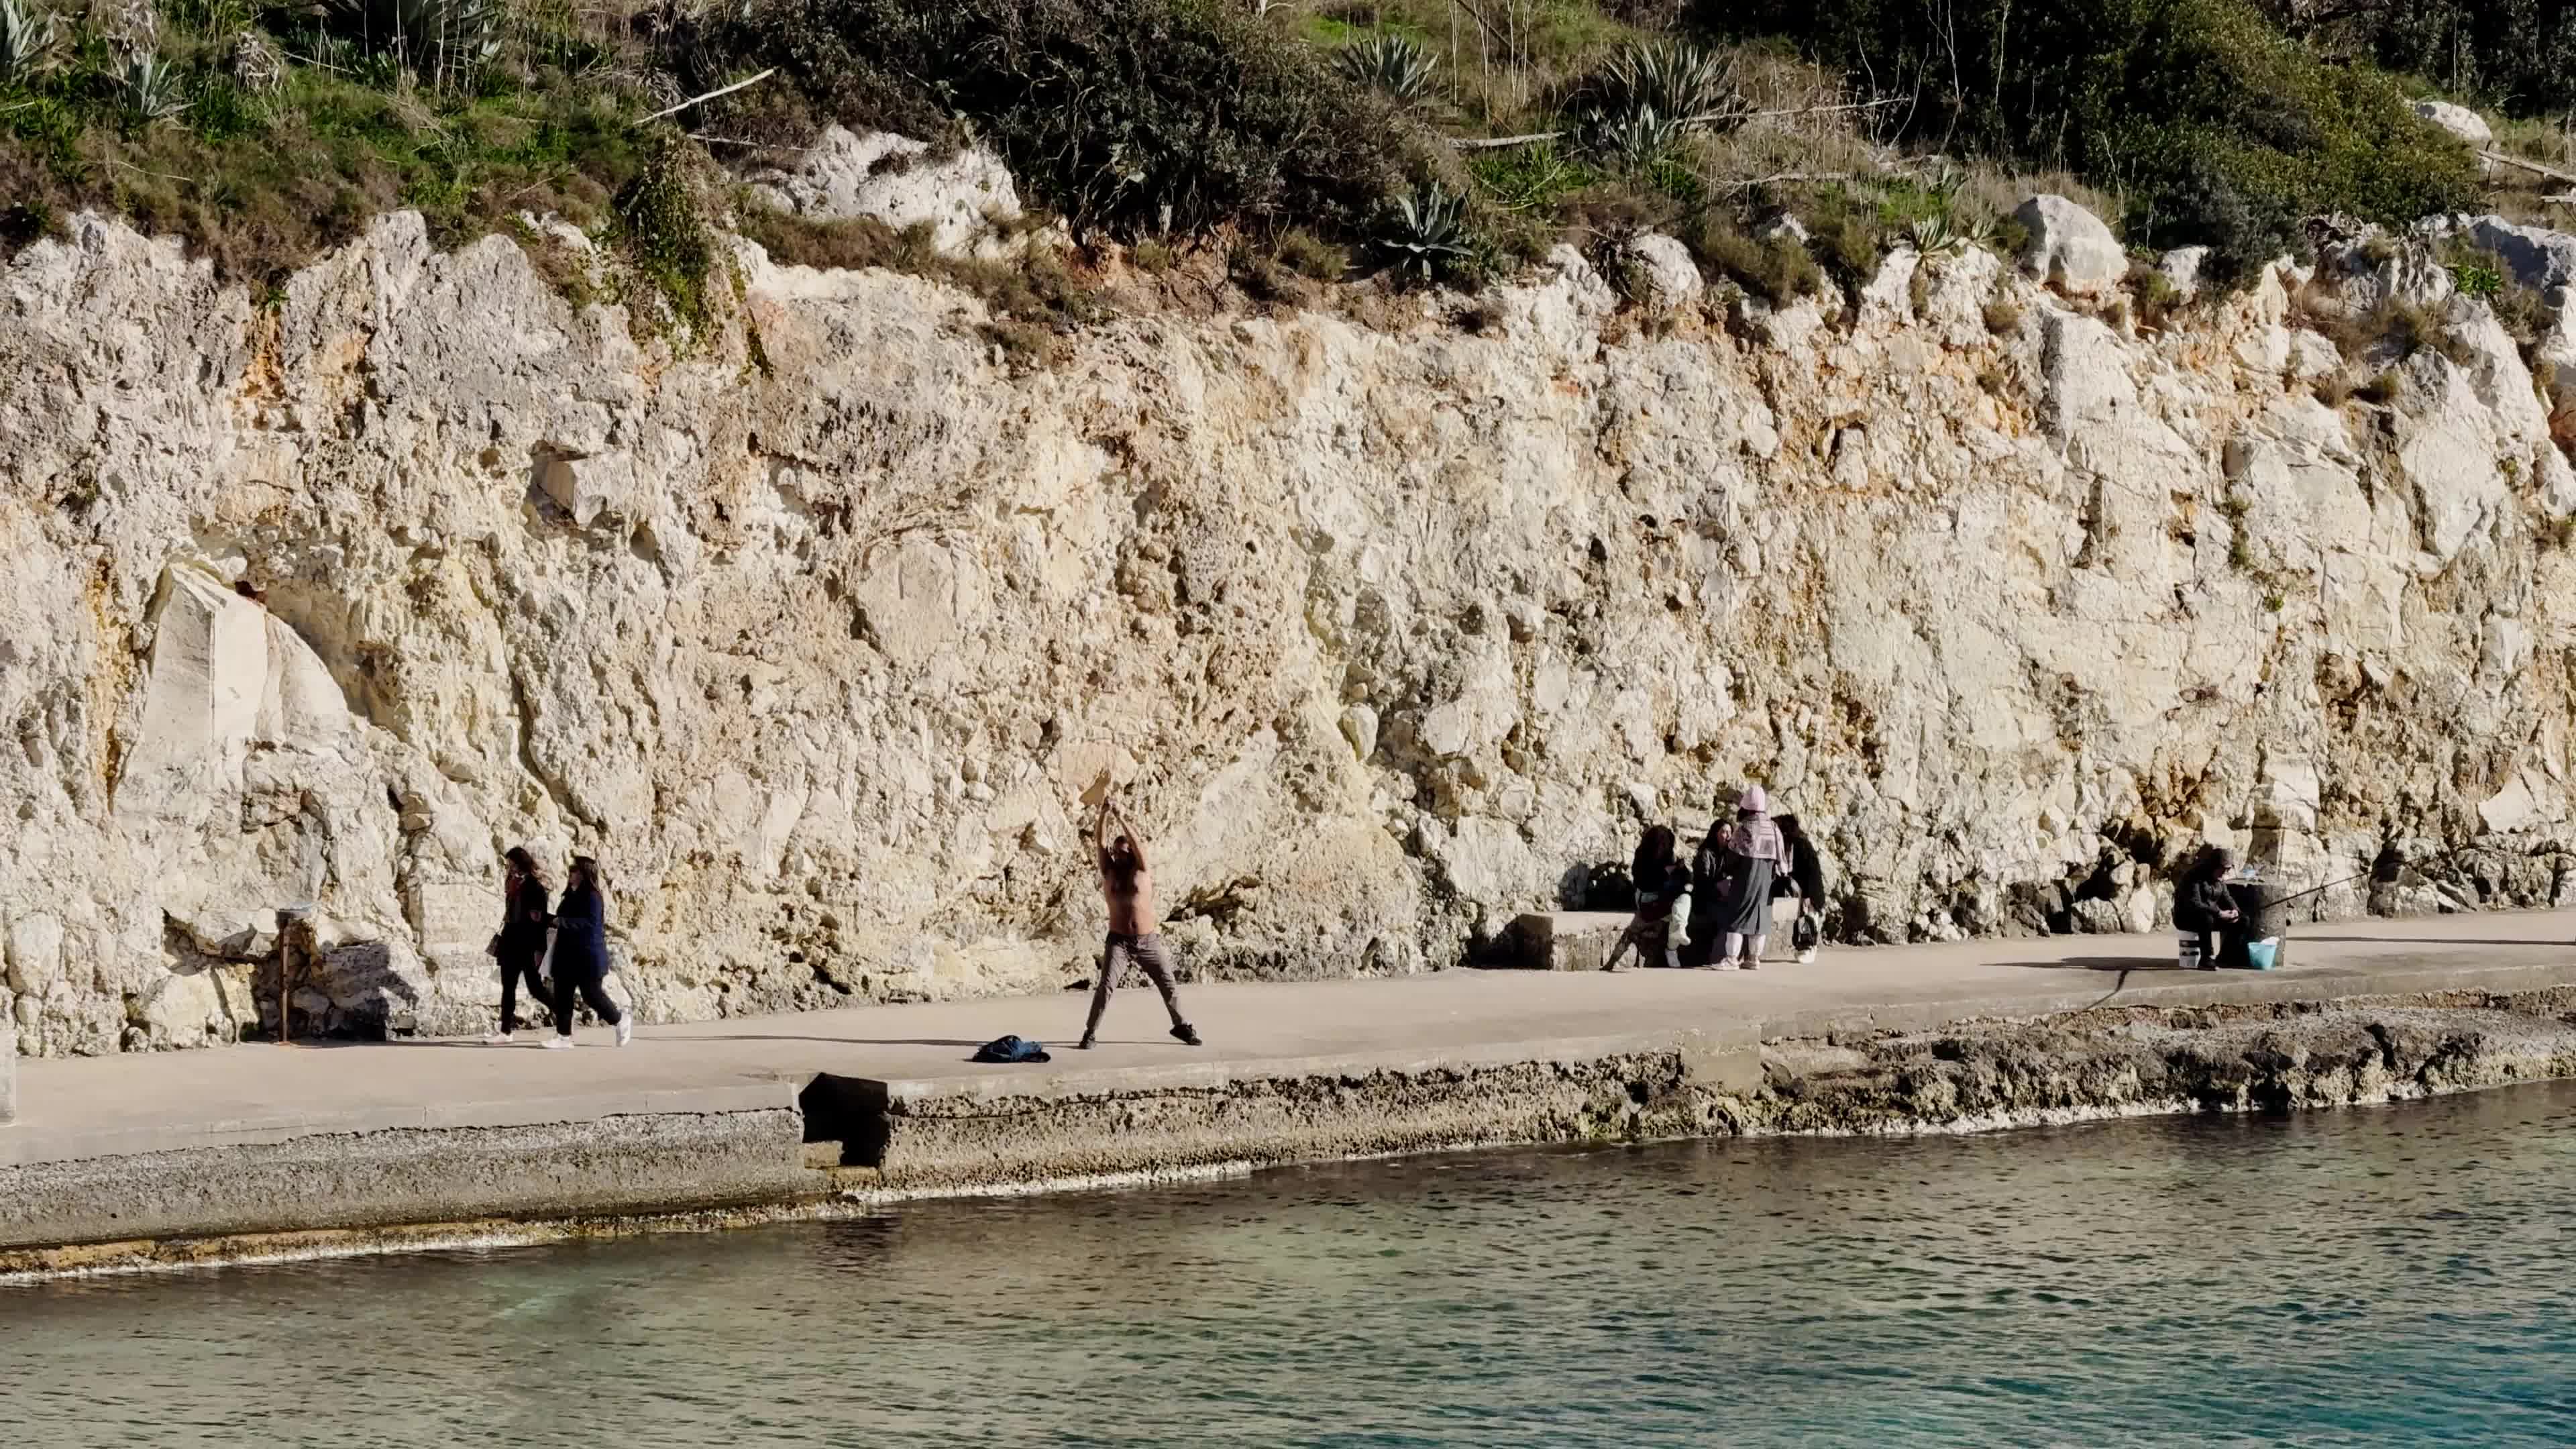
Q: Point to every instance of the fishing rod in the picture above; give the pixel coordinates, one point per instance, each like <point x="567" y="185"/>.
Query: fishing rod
<point x="2444" y="853"/>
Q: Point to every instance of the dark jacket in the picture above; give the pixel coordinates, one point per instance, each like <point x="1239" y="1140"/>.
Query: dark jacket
<point x="581" y="934"/>
<point x="523" y="923"/>
<point x="2198" y="903"/>
<point x="1657" y="893"/>
<point x="1805" y="876"/>
<point x="1710" y="866"/>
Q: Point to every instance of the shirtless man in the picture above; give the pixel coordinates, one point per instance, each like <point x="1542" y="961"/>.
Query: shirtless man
<point x="1135" y="929"/>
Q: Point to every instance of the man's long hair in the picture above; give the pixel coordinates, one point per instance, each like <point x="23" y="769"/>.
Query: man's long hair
<point x="1120" y="858"/>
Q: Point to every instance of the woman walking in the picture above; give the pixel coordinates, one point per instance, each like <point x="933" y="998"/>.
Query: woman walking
<point x="520" y="946"/>
<point x="581" y="954"/>
<point x="1749" y="856"/>
<point x="1660" y="881"/>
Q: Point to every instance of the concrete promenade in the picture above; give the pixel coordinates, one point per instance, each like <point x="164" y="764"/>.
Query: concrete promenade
<point x="88" y="1111"/>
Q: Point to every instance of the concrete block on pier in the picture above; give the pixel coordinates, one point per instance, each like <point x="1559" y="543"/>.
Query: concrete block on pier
<point x="1563" y="940"/>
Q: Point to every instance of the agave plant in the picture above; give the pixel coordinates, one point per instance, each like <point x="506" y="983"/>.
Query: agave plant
<point x="1426" y="234"/>
<point x="1935" y="236"/>
<point x="1687" y="86"/>
<point x="1628" y="140"/>
<point x="441" y="41"/>
<point x="1945" y="231"/>
<point x="1397" y="65"/>
<point x="149" y="89"/>
<point x="27" y="37"/>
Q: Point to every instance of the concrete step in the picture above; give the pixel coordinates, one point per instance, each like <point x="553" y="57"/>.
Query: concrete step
<point x="1563" y="940"/>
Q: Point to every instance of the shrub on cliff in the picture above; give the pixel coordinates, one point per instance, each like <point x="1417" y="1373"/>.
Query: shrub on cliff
<point x="2519" y="55"/>
<point x="2215" y="126"/>
<point x="1130" y="116"/>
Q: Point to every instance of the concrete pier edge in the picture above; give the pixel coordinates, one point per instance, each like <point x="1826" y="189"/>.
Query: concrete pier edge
<point x="318" y="1179"/>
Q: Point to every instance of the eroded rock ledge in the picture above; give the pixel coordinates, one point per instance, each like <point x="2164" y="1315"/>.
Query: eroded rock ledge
<point x="1969" y="1077"/>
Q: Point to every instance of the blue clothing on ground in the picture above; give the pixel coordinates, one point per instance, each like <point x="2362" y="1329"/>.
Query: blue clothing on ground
<point x="1012" y="1049"/>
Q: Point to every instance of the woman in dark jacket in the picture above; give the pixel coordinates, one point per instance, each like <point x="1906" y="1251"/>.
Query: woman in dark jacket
<point x="581" y="954"/>
<point x="2203" y="907"/>
<point x="1660" y="878"/>
<point x="1805" y="879"/>
<point x="520" y="946"/>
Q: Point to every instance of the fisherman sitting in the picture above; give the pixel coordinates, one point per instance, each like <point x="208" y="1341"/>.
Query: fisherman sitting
<point x="2205" y="908"/>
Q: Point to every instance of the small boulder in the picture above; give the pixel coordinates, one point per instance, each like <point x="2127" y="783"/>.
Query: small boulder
<point x="585" y="486"/>
<point x="1359" y="726"/>
<point x="2557" y="483"/>
<point x="2181" y="267"/>
<point x="1782" y="227"/>
<point x="895" y="180"/>
<point x="1661" y="272"/>
<point x="2537" y="257"/>
<point x="2099" y="917"/>
<point x="2070" y="247"/>
<point x="1589" y="293"/>
<point x="2312" y="355"/>
<point x="2460" y="121"/>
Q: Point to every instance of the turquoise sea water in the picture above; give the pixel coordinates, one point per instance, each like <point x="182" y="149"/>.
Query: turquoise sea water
<point x="2393" y="1276"/>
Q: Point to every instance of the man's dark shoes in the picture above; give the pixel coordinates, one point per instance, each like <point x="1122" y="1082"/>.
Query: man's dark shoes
<point x="1083" y="1045"/>
<point x="1187" y="1034"/>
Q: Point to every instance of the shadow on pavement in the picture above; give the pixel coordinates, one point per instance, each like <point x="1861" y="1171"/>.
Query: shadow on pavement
<point x="2102" y="963"/>
<point x="937" y="1041"/>
<point x="532" y="1038"/>
<point x="2422" y="940"/>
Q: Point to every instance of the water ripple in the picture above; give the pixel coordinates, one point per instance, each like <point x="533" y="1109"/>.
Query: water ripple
<point x="2400" y="1276"/>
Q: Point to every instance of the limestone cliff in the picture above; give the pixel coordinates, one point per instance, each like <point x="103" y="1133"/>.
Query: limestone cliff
<point x="816" y="631"/>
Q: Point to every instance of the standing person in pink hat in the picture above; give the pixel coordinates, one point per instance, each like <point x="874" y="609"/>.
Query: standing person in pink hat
<point x="1736" y="864"/>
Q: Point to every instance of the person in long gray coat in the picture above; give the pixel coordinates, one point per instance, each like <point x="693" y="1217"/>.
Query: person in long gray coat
<point x="1740" y="861"/>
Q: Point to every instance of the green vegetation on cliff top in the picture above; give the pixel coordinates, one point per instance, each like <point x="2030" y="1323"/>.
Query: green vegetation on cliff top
<point x="1313" y="132"/>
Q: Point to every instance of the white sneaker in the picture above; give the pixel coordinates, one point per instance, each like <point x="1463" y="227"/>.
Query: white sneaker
<point x="1807" y="957"/>
<point x="558" y="1043"/>
<point x="498" y="1038"/>
<point x="626" y="1028"/>
<point x="1726" y="966"/>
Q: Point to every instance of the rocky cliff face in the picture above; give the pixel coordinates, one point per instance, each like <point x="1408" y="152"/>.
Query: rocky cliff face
<point x="817" y="632"/>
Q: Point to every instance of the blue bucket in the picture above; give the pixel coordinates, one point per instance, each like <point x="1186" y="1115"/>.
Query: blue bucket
<point x="2263" y="955"/>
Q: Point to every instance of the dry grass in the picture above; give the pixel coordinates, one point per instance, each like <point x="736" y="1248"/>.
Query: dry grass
<point x="2525" y="196"/>
<point x="1034" y="298"/>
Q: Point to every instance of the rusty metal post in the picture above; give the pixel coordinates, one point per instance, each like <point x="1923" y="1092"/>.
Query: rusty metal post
<point x="292" y="932"/>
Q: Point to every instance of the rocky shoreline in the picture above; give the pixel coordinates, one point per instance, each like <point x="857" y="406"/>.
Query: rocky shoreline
<point x="1972" y="1076"/>
<point x="2142" y="1061"/>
